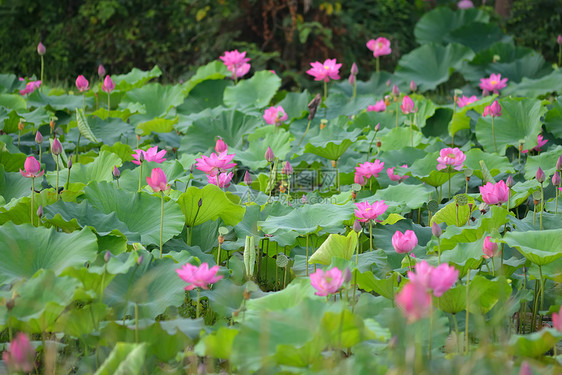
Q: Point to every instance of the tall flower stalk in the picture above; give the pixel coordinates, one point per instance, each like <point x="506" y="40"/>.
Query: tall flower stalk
<point x="159" y="183"/>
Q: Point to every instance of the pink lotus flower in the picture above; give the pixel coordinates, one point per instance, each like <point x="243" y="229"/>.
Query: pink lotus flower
<point x="287" y="169"/>
<point x="379" y="106"/>
<point x="157" y="180"/>
<point x="82" y="83"/>
<point x="101" y="71"/>
<point x="369" y="169"/>
<point x="494" y="193"/>
<point x="407" y="105"/>
<point x="198" y="277"/>
<point x="404" y="242"/>
<point x="489" y="248"/>
<point x="108" y="85"/>
<point x="41" y="50"/>
<point x="438" y="279"/>
<point x="328" y="282"/>
<point x="215" y="164"/>
<point x="21" y="355"/>
<point x="224" y="179"/>
<point x="220" y="146"/>
<point x="540" y="142"/>
<point x="379" y="46"/>
<point x="421" y="274"/>
<point x="359" y="179"/>
<point x="32" y="168"/>
<point x="269" y="155"/>
<point x="325" y="72"/>
<point x="450" y="157"/>
<point x="494" y="110"/>
<point x="30" y="87"/>
<point x="152" y="154"/>
<point x="395" y="177"/>
<point x="465" y="4"/>
<point x="493" y="84"/>
<point x="559" y="39"/>
<point x="235" y="61"/>
<point x="557" y="320"/>
<point x="414" y="301"/>
<point x="366" y="212"/>
<point x="240" y="72"/>
<point x="56" y="147"/>
<point x="465" y="100"/>
<point x="275" y="115"/>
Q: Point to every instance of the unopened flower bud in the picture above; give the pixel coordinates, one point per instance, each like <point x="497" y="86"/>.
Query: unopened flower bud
<point x="221" y="239"/>
<point x="556" y="179"/>
<point x="69" y="164"/>
<point x="354" y="69"/>
<point x="220" y="146"/>
<point x="139" y="260"/>
<point x="40" y="212"/>
<point x="269" y="156"/>
<point x="21" y="125"/>
<point x="303" y="199"/>
<point x="313" y="106"/>
<point x="509" y="182"/>
<point x="116" y="172"/>
<point x="287" y="169"/>
<point x="351" y="80"/>
<point x="379" y="143"/>
<point x="413" y="86"/>
<point x="101" y="71"/>
<point x="247" y="295"/>
<point x="107" y="256"/>
<point x="38" y="137"/>
<point x="388" y="83"/>
<point x="56" y="147"/>
<point x="52" y="124"/>
<point x="559" y="39"/>
<point x="346" y="275"/>
<point x="540" y="176"/>
<point x="559" y="163"/>
<point x="436" y="230"/>
<point x="357" y="226"/>
<point x="41" y="50"/>
<point x="378" y="127"/>
<point x="200" y="203"/>
<point x="334" y="164"/>
<point x="395" y="90"/>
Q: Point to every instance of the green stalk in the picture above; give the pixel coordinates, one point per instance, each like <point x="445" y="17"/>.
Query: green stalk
<point x="411" y="132"/>
<point x="136" y="322"/>
<point x="378" y="64"/>
<point x="541" y="206"/>
<point x="467" y="314"/>
<point x="307" y="255"/>
<point x="68" y="177"/>
<point x="325" y="91"/>
<point x="430" y="338"/>
<point x="42" y="69"/>
<point x="542" y="287"/>
<point x="161" y="220"/>
<point x="535" y="307"/>
<point x="197" y="307"/>
<point x="494" y="135"/>
<point x="219" y="255"/>
<point x="39" y="153"/>
<point x="78" y="145"/>
<point x="456" y="332"/>
<point x="140" y="176"/>
<point x="57" y="190"/>
<point x="449" y="183"/>
<point x="32" y="198"/>
<point x="108" y="103"/>
<point x="438" y="250"/>
<point x="396" y="112"/>
<point x="371" y="234"/>
<point x="306" y="131"/>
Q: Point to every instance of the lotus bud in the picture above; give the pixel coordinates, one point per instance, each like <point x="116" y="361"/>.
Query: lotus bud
<point x="139" y="260"/>
<point x="559" y="163"/>
<point x="40" y="212"/>
<point x="556" y="179"/>
<point x="247" y="178"/>
<point x="313" y="106"/>
<point x="378" y="127"/>
<point x="559" y="39"/>
<point x="357" y="226"/>
<point x="351" y="80"/>
<point x="200" y="203"/>
<point x="354" y="69"/>
<point x="101" y="71"/>
<point x="107" y="256"/>
<point x="269" y="156"/>
<point x="220" y="146"/>
<point x="41" y="50"/>
<point x="436" y="230"/>
<point x="388" y="83"/>
<point x="540" y="176"/>
<point x="69" y="163"/>
<point x="387" y="100"/>
<point x="287" y="169"/>
<point x="395" y="90"/>
<point x="21" y="125"/>
<point x="38" y="137"/>
<point x="525" y="367"/>
<point x="56" y="147"/>
<point x="303" y="199"/>
<point x="116" y="172"/>
<point x="346" y="275"/>
<point x="509" y="182"/>
<point x="52" y="124"/>
<point x="413" y="86"/>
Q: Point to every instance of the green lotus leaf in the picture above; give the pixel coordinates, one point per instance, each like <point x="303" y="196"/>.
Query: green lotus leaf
<point x="520" y="120"/>
<point x="539" y="247"/>
<point x="125" y="358"/>
<point x="335" y="245"/>
<point x="331" y="142"/>
<point x="477" y="35"/>
<point x="400" y="137"/>
<point x="484" y="293"/>
<point x="136" y="78"/>
<point x="255" y="92"/>
<point x="409" y="197"/>
<point x="295" y="104"/>
<point x="495" y="164"/>
<point x="460" y="118"/>
<point x="13" y="101"/>
<point x="533" y="88"/>
<point x="215" y="70"/>
<point x="219" y="344"/>
<point x="99" y="170"/>
<point x="269" y="136"/>
<point x="209" y="203"/>
<point x="425" y="170"/>
<point x="55" y="102"/>
<point x="546" y="161"/>
<point x="385" y="287"/>
<point x="535" y="344"/>
<point x="340" y="105"/>
<point x="452" y="214"/>
<point x="157" y="100"/>
<point x="553" y="118"/>
<point x="207" y="94"/>
<point x="465" y="256"/>
<point x="13" y="185"/>
<point x="453" y="301"/>
<point x="436" y="26"/>
<point x="26" y="249"/>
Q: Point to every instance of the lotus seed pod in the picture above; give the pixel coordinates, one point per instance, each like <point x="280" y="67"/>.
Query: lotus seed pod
<point x="282" y="260"/>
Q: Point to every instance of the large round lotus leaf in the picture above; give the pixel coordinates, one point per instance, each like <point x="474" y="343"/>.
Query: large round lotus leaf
<point x="215" y="70"/>
<point x="101" y="169"/>
<point x="129" y="180"/>
<point x="553" y="118"/>
<point x="109" y="131"/>
<point x="435" y="26"/>
<point x="535" y="344"/>
<point x="546" y="161"/>
<point x="269" y="136"/>
<point x="335" y="245"/>
<point x="432" y="64"/>
<point x="452" y="214"/>
<point x="13" y="101"/>
<point x="13" y="185"/>
<point x="209" y="203"/>
<point x="295" y="104"/>
<point x="540" y="247"/>
<point x="398" y="138"/>
<point x="56" y="102"/>
<point x="387" y="119"/>
<point x="495" y="164"/>
<point x="10" y="160"/>
<point x="425" y="170"/>
<point x="476" y="35"/>
<point x="331" y="142"/>
<point x="520" y="120"/>
<point x="533" y="88"/>
<point x="140" y="212"/>
<point x="231" y="125"/>
<point x="207" y="94"/>
<point x="255" y="92"/>
<point x="530" y="66"/>
<point x="135" y="78"/>
<point x="465" y="256"/>
<point x="125" y="358"/>
<point x="25" y="249"/>
<point x="154" y="285"/>
<point x="461" y="120"/>
<point x="376" y="85"/>
<point x="340" y="105"/>
<point x="408" y="197"/>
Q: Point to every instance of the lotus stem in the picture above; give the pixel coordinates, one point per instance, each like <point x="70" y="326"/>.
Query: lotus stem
<point x="39" y="145"/>
<point x="197" y="306"/>
<point x="161" y="220"/>
<point x="449" y="183"/>
<point x="325" y="92"/>
<point x="541" y="205"/>
<point x="42" y="69"/>
<point x="32" y="198"/>
<point x="430" y="338"/>
<point x="438" y="250"/>
<point x="140" y="176"/>
<point x="306" y="131"/>
<point x="108" y="104"/>
<point x="378" y="64"/>
<point x="307" y="255"/>
<point x="57" y="189"/>
<point x="136" y="322"/>
<point x="68" y="177"/>
<point x="467" y="313"/>
<point x="456" y="332"/>
<point x="535" y="306"/>
<point x="219" y="255"/>
<point x="371" y="234"/>
<point x="78" y="145"/>
<point x="494" y="135"/>
<point x="412" y="132"/>
<point x="542" y="286"/>
<point x="396" y="112"/>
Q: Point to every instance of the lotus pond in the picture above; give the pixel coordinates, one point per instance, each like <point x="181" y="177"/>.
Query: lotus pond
<point x="404" y="224"/>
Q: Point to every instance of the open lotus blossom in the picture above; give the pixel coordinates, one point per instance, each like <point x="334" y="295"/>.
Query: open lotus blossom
<point x="489" y="248"/>
<point x="395" y="177"/>
<point x="493" y="84"/>
<point x="32" y="168"/>
<point x="157" y="180"/>
<point x="328" y="282"/>
<point x="379" y="106"/>
<point x="465" y="100"/>
<point x="325" y="71"/>
<point x="223" y="179"/>
<point x="438" y="279"/>
<point x="557" y="320"/>
<point x="414" y="301"/>
<point x="494" y="110"/>
<point x="450" y="157"/>
<point x="359" y="179"/>
<point x="30" y="87"/>
<point x="379" y="46"/>
<point x="540" y="142"/>
<point x="404" y="242"/>
<point x="236" y="62"/>
<point x="215" y="164"/>
<point x="275" y="115"/>
<point x="407" y="105"/>
<point x="240" y="72"/>
<point x="108" y="85"/>
<point x="366" y="212"/>
<point x="465" y="4"/>
<point x="494" y="193"/>
<point x="369" y="169"/>
<point x="220" y="146"/>
<point x="82" y="83"/>
<point x="152" y="154"/>
<point x="20" y="356"/>
<point x="198" y="277"/>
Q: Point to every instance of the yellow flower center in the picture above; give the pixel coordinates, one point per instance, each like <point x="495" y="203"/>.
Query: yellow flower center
<point x="452" y="156"/>
<point x="367" y="209"/>
<point x="493" y="82"/>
